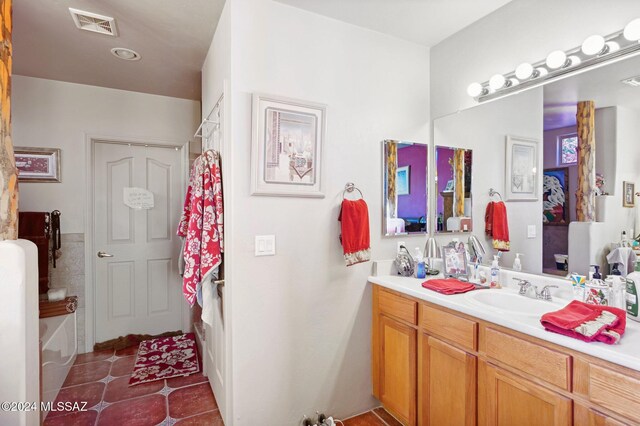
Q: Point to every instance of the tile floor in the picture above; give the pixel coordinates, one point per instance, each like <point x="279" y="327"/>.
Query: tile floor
<point x="377" y="417"/>
<point x="102" y="380"/>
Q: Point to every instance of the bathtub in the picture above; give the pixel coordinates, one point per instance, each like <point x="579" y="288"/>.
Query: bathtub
<point x="59" y="347"/>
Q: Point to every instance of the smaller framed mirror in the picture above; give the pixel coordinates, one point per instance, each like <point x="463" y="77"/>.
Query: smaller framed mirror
<point x="453" y="185"/>
<point x="405" y="188"/>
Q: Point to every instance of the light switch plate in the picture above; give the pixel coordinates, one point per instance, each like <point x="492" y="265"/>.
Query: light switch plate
<point x="531" y="231"/>
<point x="265" y="245"/>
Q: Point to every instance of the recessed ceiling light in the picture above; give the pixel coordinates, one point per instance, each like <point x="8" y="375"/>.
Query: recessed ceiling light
<point x="126" y="54"/>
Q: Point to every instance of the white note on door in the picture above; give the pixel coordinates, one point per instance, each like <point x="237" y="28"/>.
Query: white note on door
<point x="137" y="198"/>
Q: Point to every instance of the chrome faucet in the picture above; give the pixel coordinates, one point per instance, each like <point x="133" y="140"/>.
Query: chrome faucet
<point x="524" y="286"/>
<point x="545" y="294"/>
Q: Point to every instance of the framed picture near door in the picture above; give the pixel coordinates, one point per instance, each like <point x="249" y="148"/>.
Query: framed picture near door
<point x="287" y="146"/>
<point x="38" y="164"/>
<point x="628" y="194"/>
<point x="555" y="199"/>
<point x="521" y="175"/>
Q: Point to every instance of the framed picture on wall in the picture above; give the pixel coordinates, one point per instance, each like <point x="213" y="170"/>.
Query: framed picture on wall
<point x="402" y="180"/>
<point x="38" y="164"/>
<point x="628" y="194"/>
<point x="521" y="177"/>
<point x="555" y="199"/>
<point x="287" y="146"/>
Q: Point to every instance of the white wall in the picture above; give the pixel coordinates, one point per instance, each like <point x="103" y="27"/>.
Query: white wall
<point x="49" y="113"/>
<point x="484" y="129"/>
<point x="301" y="319"/>
<point x="522" y="30"/>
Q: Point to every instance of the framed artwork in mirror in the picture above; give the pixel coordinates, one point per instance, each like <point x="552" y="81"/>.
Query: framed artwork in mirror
<point x="38" y="164"/>
<point x="521" y="178"/>
<point x="628" y="194"/>
<point x="404" y="188"/>
<point x="287" y="146"/>
<point x="555" y="197"/>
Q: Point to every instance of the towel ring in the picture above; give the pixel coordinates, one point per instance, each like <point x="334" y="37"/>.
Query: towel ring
<point x="493" y="192"/>
<point x="350" y="187"/>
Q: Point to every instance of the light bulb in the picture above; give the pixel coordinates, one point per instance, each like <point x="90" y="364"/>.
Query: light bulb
<point x="474" y="90"/>
<point x="542" y="71"/>
<point x="612" y="46"/>
<point x="632" y="30"/>
<point x="497" y="82"/>
<point x="513" y="82"/>
<point x="574" y="60"/>
<point x="593" y="45"/>
<point x="524" y="71"/>
<point x="556" y="59"/>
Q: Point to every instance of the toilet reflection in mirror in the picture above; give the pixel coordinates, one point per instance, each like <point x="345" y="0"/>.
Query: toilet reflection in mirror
<point x="405" y="188"/>
<point x="453" y="185"/>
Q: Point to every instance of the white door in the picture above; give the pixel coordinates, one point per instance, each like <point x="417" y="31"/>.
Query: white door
<point x="215" y="352"/>
<point x="137" y="285"/>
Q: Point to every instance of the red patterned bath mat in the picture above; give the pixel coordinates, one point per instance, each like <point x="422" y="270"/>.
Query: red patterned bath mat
<point x="164" y="358"/>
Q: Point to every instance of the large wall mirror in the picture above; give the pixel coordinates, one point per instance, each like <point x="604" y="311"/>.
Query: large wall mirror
<point x="405" y="188"/>
<point x="453" y="183"/>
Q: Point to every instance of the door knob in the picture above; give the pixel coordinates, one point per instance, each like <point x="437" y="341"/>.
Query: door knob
<point x="103" y="254"/>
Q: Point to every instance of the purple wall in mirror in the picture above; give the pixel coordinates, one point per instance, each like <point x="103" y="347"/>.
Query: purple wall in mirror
<point x="414" y="205"/>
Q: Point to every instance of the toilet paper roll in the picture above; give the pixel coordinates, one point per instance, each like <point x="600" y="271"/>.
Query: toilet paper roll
<point x="56" y="294"/>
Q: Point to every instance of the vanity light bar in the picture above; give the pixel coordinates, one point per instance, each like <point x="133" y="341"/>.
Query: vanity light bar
<point x="595" y="50"/>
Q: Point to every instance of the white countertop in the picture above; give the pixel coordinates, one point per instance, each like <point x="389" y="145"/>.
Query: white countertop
<point x="626" y="353"/>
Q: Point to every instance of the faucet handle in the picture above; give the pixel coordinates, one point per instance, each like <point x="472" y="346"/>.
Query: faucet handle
<point x="545" y="294"/>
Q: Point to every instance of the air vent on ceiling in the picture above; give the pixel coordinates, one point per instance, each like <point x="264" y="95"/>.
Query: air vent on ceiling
<point x="632" y="81"/>
<point x="93" y="22"/>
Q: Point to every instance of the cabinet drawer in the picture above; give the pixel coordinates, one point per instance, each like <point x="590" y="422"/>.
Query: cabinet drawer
<point x="449" y="327"/>
<point x="537" y="361"/>
<point x="398" y="307"/>
<point x="616" y="391"/>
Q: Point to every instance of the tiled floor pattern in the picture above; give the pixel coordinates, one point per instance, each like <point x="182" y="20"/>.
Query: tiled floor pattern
<point x="102" y="380"/>
<point x="377" y="417"/>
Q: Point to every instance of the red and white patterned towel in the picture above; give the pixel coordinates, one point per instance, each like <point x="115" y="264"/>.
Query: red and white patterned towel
<point x="201" y="223"/>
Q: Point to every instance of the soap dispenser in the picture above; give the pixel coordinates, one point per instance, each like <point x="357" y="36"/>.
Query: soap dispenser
<point x="495" y="273"/>
<point x="517" y="265"/>
<point x="421" y="270"/>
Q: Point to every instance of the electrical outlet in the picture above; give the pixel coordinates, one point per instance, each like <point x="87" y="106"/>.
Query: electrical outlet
<point x="398" y="244"/>
<point x="531" y="231"/>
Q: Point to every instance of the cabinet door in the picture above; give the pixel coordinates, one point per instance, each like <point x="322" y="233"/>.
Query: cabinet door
<point x="506" y="400"/>
<point x="447" y="387"/>
<point x="585" y="416"/>
<point x="398" y="364"/>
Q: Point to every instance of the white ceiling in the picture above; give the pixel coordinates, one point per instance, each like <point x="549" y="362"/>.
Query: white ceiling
<point x="172" y="37"/>
<point x="602" y="85"/>
<point x="426" y="22"/>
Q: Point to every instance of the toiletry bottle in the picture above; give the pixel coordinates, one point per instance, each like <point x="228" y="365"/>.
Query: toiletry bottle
<point x="517" y="265"/>
<point x="631" y="296"/>
<point x="592" y="269"/>
<point x="495" y="273"/>
<point x="596" y="274"/>
<point x="421" y="269"/>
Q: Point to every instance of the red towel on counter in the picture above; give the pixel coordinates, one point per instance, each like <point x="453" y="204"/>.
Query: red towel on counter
<point x="448" y="286"/>
<point x="354" y="220"/>
<point x="587" y="322"/>
<point x="496" y="225"/>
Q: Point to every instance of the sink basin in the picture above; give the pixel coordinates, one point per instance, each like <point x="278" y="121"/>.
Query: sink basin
<point x="512" y="303"/>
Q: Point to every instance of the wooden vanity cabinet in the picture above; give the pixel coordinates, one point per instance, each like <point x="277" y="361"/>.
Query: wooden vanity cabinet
<point x="446" y="384"/>
<point x="432" y="366"/>
<point x="506" y="399"/>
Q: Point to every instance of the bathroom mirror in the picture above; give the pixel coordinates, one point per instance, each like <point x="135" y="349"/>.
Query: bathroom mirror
<point x="453" y="183"/>
<point x="405" y="188"/>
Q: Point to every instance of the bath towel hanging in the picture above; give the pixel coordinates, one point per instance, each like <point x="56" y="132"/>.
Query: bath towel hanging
<point x="201" y="224"/>
<point x="497" y="225"/>
<point x="355" y="238"/>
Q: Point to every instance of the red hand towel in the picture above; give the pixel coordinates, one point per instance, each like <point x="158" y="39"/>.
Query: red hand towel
<point x="354" y="219"/>
<point x="587" y="322"/>
<point x="448" y="286"/>
<point x="497" y="225"/>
